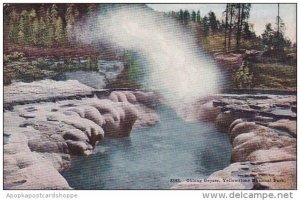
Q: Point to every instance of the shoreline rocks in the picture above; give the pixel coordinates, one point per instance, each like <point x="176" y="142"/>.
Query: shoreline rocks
<point x="50" y="130"/>
<point x="49" y="123"/>
<point x="20" y="92"/>
<point x="263" y="136"/>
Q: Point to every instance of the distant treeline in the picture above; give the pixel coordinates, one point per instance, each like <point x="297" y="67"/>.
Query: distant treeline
<point x="52" y="25"/>
<point x="235" y="25"/>
<point x="45" y="25"/>
<point x="235" y="21"/>
<point x="209" y="22"/>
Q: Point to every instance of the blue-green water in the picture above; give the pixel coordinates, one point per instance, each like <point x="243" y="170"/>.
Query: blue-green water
<point x="151" y="156"/>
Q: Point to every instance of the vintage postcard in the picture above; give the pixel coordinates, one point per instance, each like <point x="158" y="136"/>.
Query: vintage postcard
<point x="138" y="96"/>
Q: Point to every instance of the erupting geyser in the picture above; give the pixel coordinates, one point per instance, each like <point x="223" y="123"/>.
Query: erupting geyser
<point x="174" y="65"/>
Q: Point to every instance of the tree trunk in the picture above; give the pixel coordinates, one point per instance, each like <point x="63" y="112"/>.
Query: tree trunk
<point x="226" y="27"/>
<point x="238" y="34"/>
<point x="242" y="16"/>
<point x="278" y="27"/>
<point x="230" y="26"/>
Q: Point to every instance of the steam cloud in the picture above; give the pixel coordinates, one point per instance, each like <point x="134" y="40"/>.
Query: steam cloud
<point x="174" y="64"/>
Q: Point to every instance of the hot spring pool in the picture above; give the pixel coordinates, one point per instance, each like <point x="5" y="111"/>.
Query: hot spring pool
<point x="150" y="157"/>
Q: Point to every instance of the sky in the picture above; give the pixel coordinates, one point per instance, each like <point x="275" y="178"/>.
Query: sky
<point x="260" y="14"/>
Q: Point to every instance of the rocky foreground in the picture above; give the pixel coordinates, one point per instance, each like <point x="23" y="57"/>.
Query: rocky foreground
<point x="262" y="131"/>
<point x="46" y="123"/>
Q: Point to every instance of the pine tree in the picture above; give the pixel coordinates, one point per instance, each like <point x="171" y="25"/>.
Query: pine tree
<point x="42" y="11"/>
<point x="231" y="12"/>
<point x="205" y="23"/>
<point x="267" y="36"/>
<point x="49" y="33"/>
<point x="198" y="17"/>
<point x="70" y="13"/>
<point x="53" y="24"/>
<point x="13" y="26"/>
<point x="21" y="38"/>
<point x="70" y="22"/>
<point x="181" y="18"/>
<point x="50" y="36"/>
<point x="194" y="16"/>
<point x="54" y="13"/>
<point x="279" y="40"/>
<point x="226" y="26"/>
<point x="186" y="16"/>
<point x="59" y="31"/>
<point x="24" y="27"/>
<point x="35" y="31"/>
<point x="42" y="26"/>
<point x="172" y="14"/>
<point x="243" y="13"/>
<point x="213" y="21"/>
<point x="32" y="17"/>
<point x="42" y="32"/>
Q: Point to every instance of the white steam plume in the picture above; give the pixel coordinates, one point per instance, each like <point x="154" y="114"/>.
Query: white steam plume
<point x="174" y="65"/>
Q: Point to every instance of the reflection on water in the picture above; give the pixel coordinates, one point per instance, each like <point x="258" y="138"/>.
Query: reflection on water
<point x="151" y="156"/>
<point x="282" y="111"/>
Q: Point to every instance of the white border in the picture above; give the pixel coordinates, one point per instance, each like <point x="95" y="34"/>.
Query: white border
<point x="131" y="194"/>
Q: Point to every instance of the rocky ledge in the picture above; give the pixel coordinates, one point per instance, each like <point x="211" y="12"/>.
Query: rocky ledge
<point x="46" y="123"/>
<point x="262" y="131"/>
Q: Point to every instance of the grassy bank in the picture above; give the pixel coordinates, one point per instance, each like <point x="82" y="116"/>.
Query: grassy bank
<point x="274" y="76"/>
<point x="272" y="70"/>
